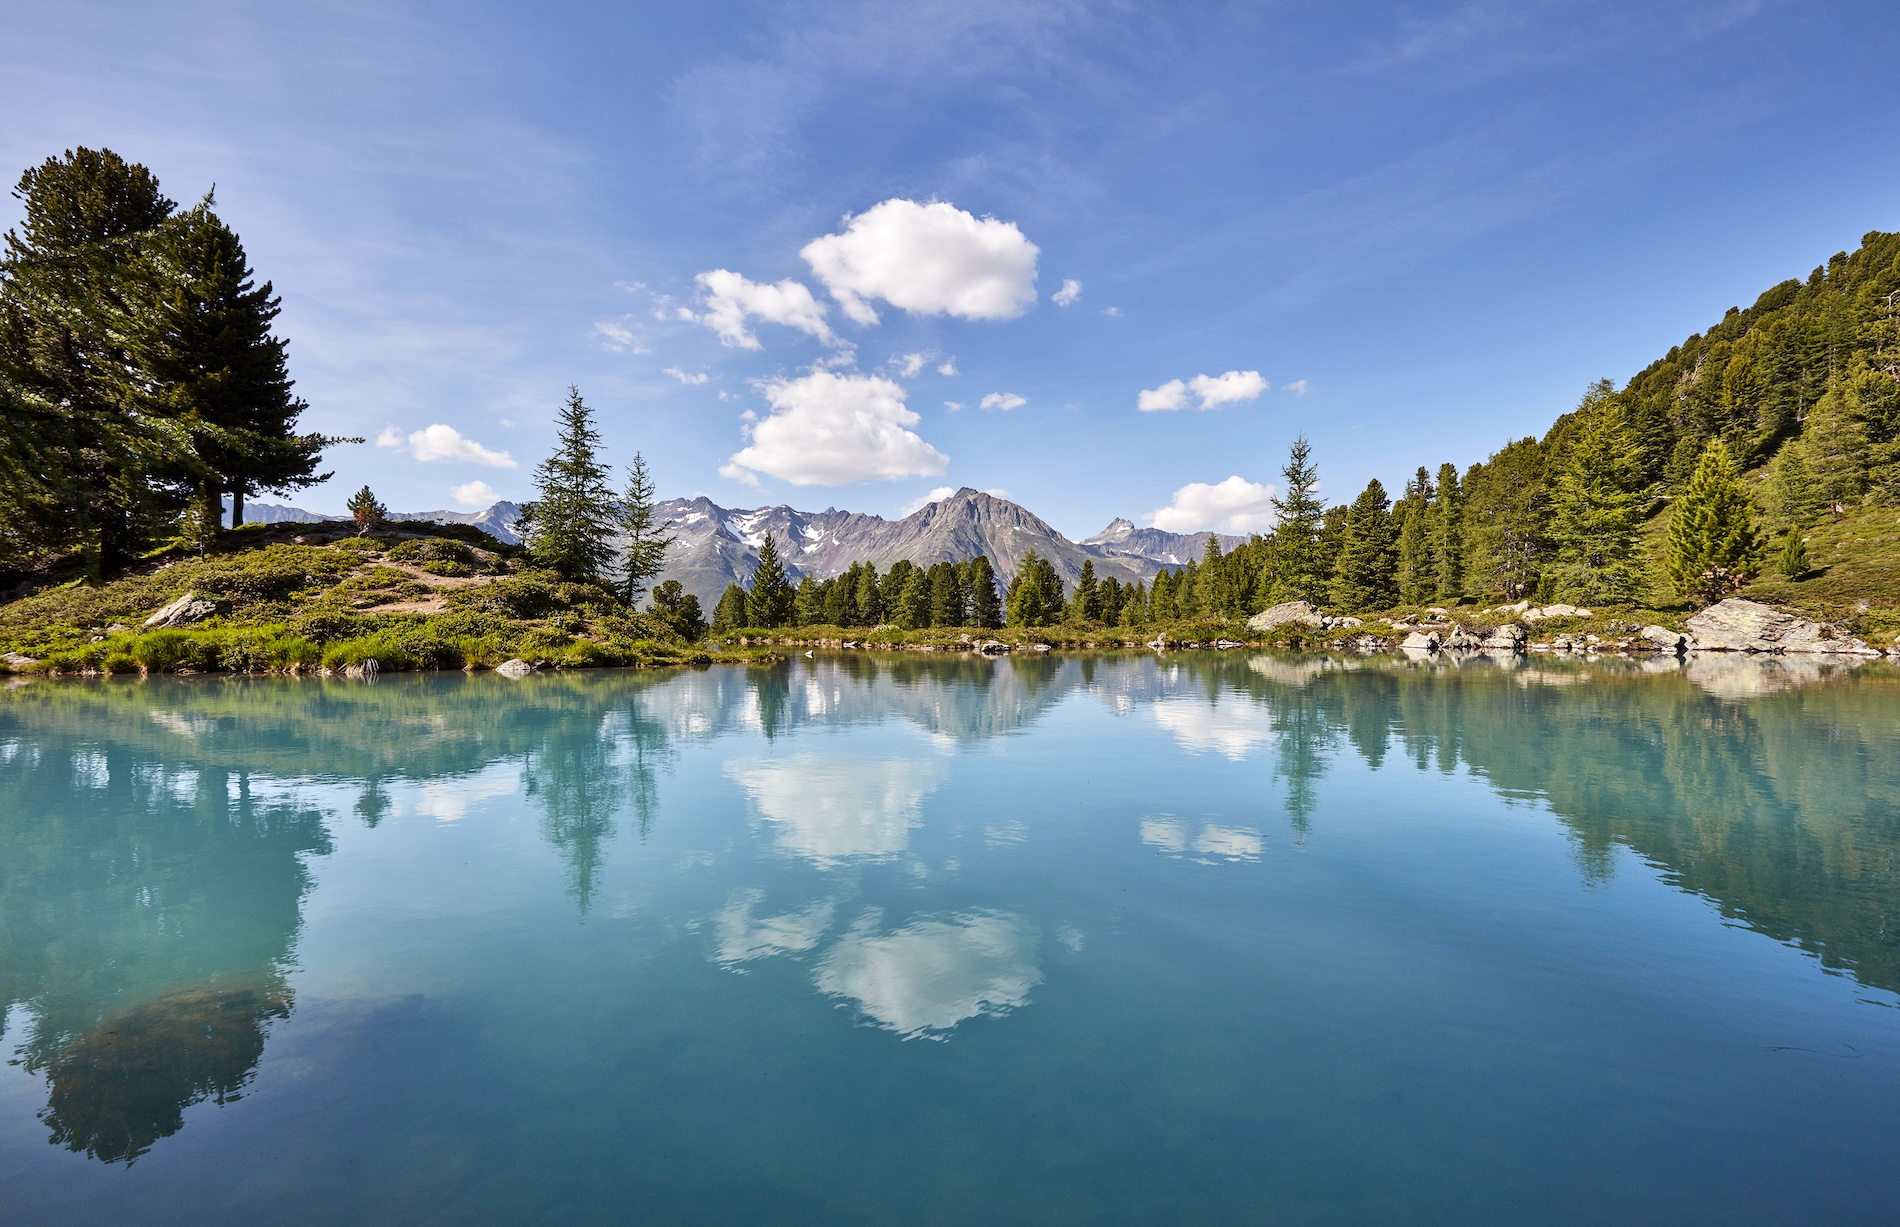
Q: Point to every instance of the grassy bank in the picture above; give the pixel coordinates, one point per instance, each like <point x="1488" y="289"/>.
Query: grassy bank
<point x="295" y="598"/>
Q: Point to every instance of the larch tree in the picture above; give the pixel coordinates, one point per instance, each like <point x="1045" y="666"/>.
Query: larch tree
<point x="1597" y="510"/>
<point x="985" y="608"/>
<point x="1448" y="534"/>
<point x="1713" y="545"/>
<point x="1300" y="516"/>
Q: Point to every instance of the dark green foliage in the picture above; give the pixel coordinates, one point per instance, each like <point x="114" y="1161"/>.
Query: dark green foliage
<point x="1447" y="532"/>
<point x="1302" y="570"/>
<point x="986" y="610"/>
<point x="1085" y="603"/>
<point x="1035" y="594"/>
<point x="1597" y="507"/>
<point x="1506" y="509"/>
<point x="808" y="608"/>
<point x="1713" y="545"/>
<point x="771" y="601"/>
<point x="1792" y="561"/>
<point x="569" y="526"/>
<point x="1418" y="562"/>
<point x="913" y="604"/>
<point x="1364" y="573"/>
<point x="730" y="614"/>
<point x="948" y="600"/>
<point x="680" y="609"/>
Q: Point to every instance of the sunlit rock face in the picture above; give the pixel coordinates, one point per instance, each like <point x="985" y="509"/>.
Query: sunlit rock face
<point x="1230" y="726"/>
<point x="925" y="978"/>
<point x="833" y="808"/>
<point x="742" y="936"/>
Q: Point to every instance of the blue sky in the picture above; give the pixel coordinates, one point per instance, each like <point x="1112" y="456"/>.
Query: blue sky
<point x="1424" y="228"/>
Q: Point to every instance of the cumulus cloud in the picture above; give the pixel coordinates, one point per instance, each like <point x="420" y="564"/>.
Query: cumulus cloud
<point x="935" y="496"/>
<point x="619" y="336"/>
<point x="1297" y="387"/>
<point x="908" y="365"/>
<point x="947" y="367"/>
<point x="1070" y="291"/>
<point x="439" y="441"/>
<point x="1234" y="506"/>
<point x="476" y="494"/>
<point x="689" y="378"/>
<point x="925" y="978"/>
<point x="827" y="429"/>
<point x="731" y="300"/>
<point x="1212" y="391"/>
<point x="927" y="259"/>
<point x="1005" y="401"/>
<point x="954" y="406"/>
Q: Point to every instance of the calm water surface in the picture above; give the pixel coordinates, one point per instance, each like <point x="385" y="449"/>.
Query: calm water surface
<point x="1197" y="939"/>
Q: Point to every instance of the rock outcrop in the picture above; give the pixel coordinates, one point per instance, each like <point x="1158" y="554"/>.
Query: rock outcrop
<point x="186" y="609"/>
<point x="514" y="668"/>
<point x="1462" y="640"/>
<point x="1284" y="612"/>
<point x="1421" y="641"/>
<point x="1736" y="625"/>
<point x="1666" y="639"/>
<point x="1507" y="638"/>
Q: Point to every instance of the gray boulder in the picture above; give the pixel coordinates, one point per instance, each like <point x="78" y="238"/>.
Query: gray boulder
<point x="1461" y="639"/>
<point x="1284" y="612"/>
<point x="186" y="609"/>
<point x="1421" y="641"/>
<point x="1736" y="625"/>
<point x="1507" y="638"/>
<point x="514" y="668"/>
<point x="1664" y="638"/>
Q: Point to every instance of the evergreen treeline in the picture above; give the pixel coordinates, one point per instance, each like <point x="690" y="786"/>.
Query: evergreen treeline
<point x="907" y="596"/>
<point x="140" y="382"/>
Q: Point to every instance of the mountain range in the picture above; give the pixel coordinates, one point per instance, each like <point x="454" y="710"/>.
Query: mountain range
<point x="716" y="546"/>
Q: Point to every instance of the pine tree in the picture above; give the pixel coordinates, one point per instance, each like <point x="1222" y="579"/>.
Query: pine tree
<point x="946" y="595"/>
<point x="985" y="609"/>
<point x="1364" y="573"/>
<point x="647" y="541"/>
<point x="1035" y="594"/>
<point x="913" y="604"/>
<point x="1797" y="495"/>
<point x="770" y="602"/>
<point x="1448" y="535"/>
<point x="366" y="510"/>
<point x="808" y="603"/>
<point x="1598" y="509"/>
<point x="869" y="601"/>
<point x="730" y="613"/>
<point x="1418" y="574"/>
<point x="1835" y="447"/>
<point x="680" y="609"/>
<point x="569" y="528"/>
<point x="1085" y="603"/>
<point x="1713" y="546"/>
<point x="1300" y="516"/>
<point x="1793" y="559"/>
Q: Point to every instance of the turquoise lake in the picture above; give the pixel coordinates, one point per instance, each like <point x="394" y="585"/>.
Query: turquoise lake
<point x="1197" y="938"/>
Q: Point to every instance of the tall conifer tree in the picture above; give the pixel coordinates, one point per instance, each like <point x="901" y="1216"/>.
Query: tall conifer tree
<point x="1364" y="572"/>
<point x="569" y="527"/>
<point x="1713" y="546"/>
<point x="1300" y="516"/>
<point x="1598" y="508"/>
<point x="771" y="601"/>
<point x="646" y="540"/>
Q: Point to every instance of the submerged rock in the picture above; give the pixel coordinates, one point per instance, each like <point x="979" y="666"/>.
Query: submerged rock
<point x="1736" y="625"/>
<point x="186" y="609"/>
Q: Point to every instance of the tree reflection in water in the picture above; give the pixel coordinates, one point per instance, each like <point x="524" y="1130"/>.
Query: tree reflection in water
<point x="153" y="849"/>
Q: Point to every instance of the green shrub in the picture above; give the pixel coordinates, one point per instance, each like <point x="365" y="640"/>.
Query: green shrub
<point x="383" y="649"/>
<point x="428" y="550"/>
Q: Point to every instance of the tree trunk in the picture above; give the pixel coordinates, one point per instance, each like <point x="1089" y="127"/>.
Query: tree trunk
<point x="237" y="507"/>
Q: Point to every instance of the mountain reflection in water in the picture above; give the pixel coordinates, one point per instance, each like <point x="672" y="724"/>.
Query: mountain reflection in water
<point x="157" y="835"/>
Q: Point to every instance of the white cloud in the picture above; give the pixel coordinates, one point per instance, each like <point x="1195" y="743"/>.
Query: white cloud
<point x="1070" y="291"/>
<point x="1170" y="395"/>
<point x="1228" y="389"/>
<point x="1297" y="387"/>
<point x="476" y="494"/>
<point x="1004" y="401"/>
<point x="689" y="378"/>
<point x="439" y="441"/>
<point x="391" y="437"/>
<point x="1233" y="506"/>
<point x="918" y="504"/>
<point x="1213" y="391"/>
<point x="1111" y="310"/>
<point x="1229" y="843"/>
<point x="927" y="259"/>
<point x="743" y="937"/>
<point x="1231" y="727"/>
<point x="731" y="299"/>
<point x="930" y="975"/>
<point x="997" y="492"/>
<point x="618" y="336"/>
<point x="954" y="406"/>
<point x="832" y="808"/>
<point x="908" y="365"/>
<point x="827" y="430"/>
<point x="949" y="367"/>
